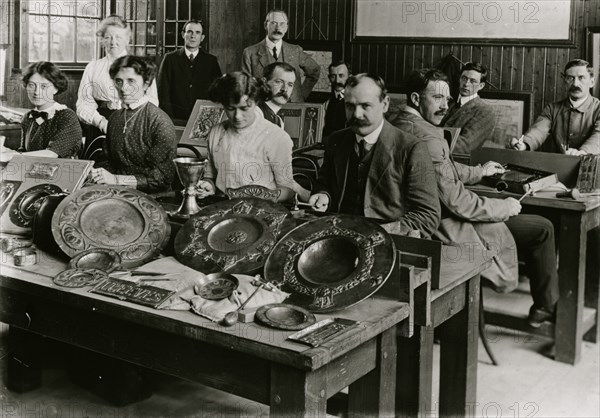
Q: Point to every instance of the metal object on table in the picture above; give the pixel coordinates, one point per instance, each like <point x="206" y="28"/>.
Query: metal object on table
<point x="114" y="217"/>
<point x="25" y="257"/>
<point x="27" y="203"/>
<point x="234" y="236"/>
<point x="254" y="190"/>
<point x="284" y="316"/>
<point x="75" y="277"/>
<point x="97" y="258"/>
<point x="41" y="226"/>
<point x="323" y="331"/>
<point x="217" y="286"/>
<point x="11" y="244"/>
<point x="332" y="262"/>
<point x="231" y="318"/>
<point x="190" y="170"/>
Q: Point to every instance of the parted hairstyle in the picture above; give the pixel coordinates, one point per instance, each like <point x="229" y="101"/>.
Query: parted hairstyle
<point x="270" y="69"/>
<point x="418" y="81"/>
<point x="49" y="71"/>
<point x="579" y="63"/>
<point x="353" y="81"/>
<point x="141" y="65"/>
<point x="338" y="63"/>
<point x="193" y="21"/>
<point x="112" y="20"/>
<point x="475" y="66"/>
<point x="229" y="88"/>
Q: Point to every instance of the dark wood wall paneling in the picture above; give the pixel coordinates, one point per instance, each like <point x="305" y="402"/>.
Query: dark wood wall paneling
<point x="535" y="69"/>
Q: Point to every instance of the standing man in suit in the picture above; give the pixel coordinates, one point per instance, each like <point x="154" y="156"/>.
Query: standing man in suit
<point x="280" y="78"/>
<point x="481" y="223"/>
<point x="474" y="117"/>
<point x="186" y="74"/>
<point x="273" y="48"/>
<point x="335" y="111"/>
<point x="373" y="169"/>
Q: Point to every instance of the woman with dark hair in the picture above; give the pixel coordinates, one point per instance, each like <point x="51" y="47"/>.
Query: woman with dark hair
<point x="97" y="98"/>
<point x="50" y="129"/>
<point x="246" y="149"/>
<point x="140" y="142"/>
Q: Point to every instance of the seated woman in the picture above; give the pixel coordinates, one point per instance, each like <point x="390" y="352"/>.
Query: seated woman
<point x="50" y="129"/>
<point x="140" y="144"/>
<point x="245" y="149"/>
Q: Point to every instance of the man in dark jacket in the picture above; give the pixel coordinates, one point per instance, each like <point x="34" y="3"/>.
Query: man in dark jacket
<point x="280" y="78"/>
<point x="335" y="112"/>
<point x="186" y="74"/>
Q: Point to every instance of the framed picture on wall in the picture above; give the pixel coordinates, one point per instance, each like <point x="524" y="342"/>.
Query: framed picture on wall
<point x="205" y="115"/>
<point x="514" y="114"/>
<point x="324" y="53"/>
<point x="303" y="122"/>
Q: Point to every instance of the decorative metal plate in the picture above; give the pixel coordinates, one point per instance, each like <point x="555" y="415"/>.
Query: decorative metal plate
<point x="217" y="286"/>
<point x="97" y="258"/>
<point x="234" y="236"/>
<point x="284" y="316"/>
<point x="254" y="190"/>
<point x="323" y="331"/>
<point x="27" y="203"/>
<point x="332" y="262"/>
<point x="80" y="277"/>
<point x="114" y="217"/>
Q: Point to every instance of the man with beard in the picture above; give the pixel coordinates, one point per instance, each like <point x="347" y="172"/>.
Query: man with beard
<point x="280" y="78"/>
<point x="273" y="48"/>
<point x="373" y="169"/>
<point x="573" y="124"/>
<point x="186" y="74"/>
<point x="481" y="223"/>
<point x="335" y="112"/>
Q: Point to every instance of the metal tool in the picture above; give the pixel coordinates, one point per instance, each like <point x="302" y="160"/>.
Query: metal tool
<point x="527" y="193"/>
<point x="231" y="318"/>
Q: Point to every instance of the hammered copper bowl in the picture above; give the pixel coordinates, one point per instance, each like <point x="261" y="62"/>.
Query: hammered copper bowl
<point x="217" y="286"/>
<point x="97" y="258"/>
<point x="329" y="260"/>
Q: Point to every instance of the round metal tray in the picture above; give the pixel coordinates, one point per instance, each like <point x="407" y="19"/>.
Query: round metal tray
<point x="234" y="236"/>
<point x="217" y="286"/>
<point x="114" y="217"/>
<point x="79" y="277"/>
<point x="97" y="258"/>
<point x="26" y="204"/>
<point x="332" y="262"/>
<point x="285" y="316"/>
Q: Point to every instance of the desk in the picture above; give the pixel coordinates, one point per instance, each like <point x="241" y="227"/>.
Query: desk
<point x="248" y="360"/>
<point x="455" y="310"/>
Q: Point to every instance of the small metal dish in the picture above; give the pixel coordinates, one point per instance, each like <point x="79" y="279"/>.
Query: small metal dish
<point x="79" y="277"/>
<point x="96" y="258"/>
<point x="284" y="316"/>
<point x="217" y="286"/>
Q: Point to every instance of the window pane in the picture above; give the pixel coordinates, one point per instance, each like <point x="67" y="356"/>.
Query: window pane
<point x="141" y="6"/>
<point x="184" y="10"/>
<point x="38" y="6"/>
<point x="151" y="52"/>
<point x="140" y="51"/>
<point x="196" y="9"/>
<point x="129" y="9"/>
<point x="170" y="10"/>
<point x="140" y="34"/>
<point x="38" y="39"/>
<point x="90" y="8"/>
<point x="63" y="7"/>
<point x="86" y="40"/>
<point x="170" y="34"/>
<point x="151" y="34"/>
<point x="62" y="40"/>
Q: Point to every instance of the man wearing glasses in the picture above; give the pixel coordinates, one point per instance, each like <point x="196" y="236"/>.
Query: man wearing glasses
<point x="274" y="49"/>
<point x="474" y="117"/>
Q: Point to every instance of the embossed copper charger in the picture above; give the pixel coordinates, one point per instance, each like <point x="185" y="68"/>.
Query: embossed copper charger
<point x="332" y="262"/>
<point x="113" y="217"/>
<point x="234" y="236"/>
<point x="25" y="205"/>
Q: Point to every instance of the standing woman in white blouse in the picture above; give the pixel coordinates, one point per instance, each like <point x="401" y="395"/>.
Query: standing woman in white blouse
<point x="97" y="97"/>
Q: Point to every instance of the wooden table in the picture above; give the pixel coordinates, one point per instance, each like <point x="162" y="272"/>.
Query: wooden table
<point x="248" y="359"/>
<point x="578" y="309"/>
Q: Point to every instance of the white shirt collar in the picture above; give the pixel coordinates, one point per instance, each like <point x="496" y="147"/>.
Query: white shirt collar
<point x="464" y="100"/>
<point x="271" y="44"/>
<point x="578" y="103"/>
<point x="188" y="52"/>
<point x="372" y="138"/>
<point x="145" y="99"/>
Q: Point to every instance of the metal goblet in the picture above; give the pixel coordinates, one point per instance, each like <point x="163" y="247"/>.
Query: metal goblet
<point x="190" y="170"/>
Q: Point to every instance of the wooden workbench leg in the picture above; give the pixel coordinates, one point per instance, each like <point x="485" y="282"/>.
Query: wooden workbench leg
<point x="373" y="394"/>
<point x="414" y="373"/>
<point x="24" y="364"/>
<point x="298" y="393"/>
<point x="571" y="280"/>
<point x="459" y="341"/>
<point x="592" y="283"/>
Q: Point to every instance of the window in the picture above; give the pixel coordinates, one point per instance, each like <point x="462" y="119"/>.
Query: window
<point x="63" y="32"/>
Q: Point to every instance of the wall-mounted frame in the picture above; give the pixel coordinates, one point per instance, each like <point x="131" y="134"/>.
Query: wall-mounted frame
<point x="518" y="22"/>
<point x="514" y="114"/>
<point x="324" y="53"/>
<point x="303" y="122"/>
<point x="204" y="116"/>
<point x="592" y="54"/>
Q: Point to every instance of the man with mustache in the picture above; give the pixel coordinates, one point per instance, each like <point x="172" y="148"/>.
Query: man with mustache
<point x="474" y="223"/>
<point x="273" y="48"/>
<point x="372" y="169"/>
<point x="279" y="78"/>
<point x="573" y="124"/>
<point x="335" y="113"/>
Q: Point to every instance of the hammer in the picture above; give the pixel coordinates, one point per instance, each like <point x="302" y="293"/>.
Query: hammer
<point x="573" y="194"/>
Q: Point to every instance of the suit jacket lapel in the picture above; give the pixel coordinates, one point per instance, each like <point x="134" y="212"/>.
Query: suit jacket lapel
<point x="289" y="54"/>
<point x="183" y="61"/>
<point x="264" y="56"/>
<point x="342" y="160"/>
<point x="380" y="163"/>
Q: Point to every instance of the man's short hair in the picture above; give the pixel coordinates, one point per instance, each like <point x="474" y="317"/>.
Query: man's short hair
<point x="476" y="66"/>
<point x="276" y="11"/>
<point x="418" y="81"/>
<point x="231" y="87"/>
<point x="141" y="65"/>
<point x="270" y="69"/>
<point x="579" y="63"/>
<point x="355" y="79"/>
<point x="337" y="64"/>
<point x="49" y="71"/>
<point x="193" y="21"/>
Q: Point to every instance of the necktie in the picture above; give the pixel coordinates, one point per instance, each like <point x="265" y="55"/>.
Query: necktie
<point x="340" y="95"/>
<point x="362" y="148"/>
<point x="191" y="57"/>
<point x="457" y="105"/>
<point x="37" y="114"/>
<point x="275" y="53"/>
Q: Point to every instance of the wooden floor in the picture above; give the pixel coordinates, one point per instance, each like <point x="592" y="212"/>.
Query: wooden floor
<point x="526" y="384"/>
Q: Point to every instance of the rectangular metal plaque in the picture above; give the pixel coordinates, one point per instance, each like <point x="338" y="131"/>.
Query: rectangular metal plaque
<point x="323" y="331"/>
<point x="133" y="292"/>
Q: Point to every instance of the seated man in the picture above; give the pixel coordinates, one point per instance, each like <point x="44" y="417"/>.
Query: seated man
<point x="472" y="220"/>
<point x="373" y="169"/>
<point x="246" y="148"/>
<point x="335" y="112"/>
<point x="573" y="124"/>
<point x="279" y="78"/>
<point x="474" y="117"/>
